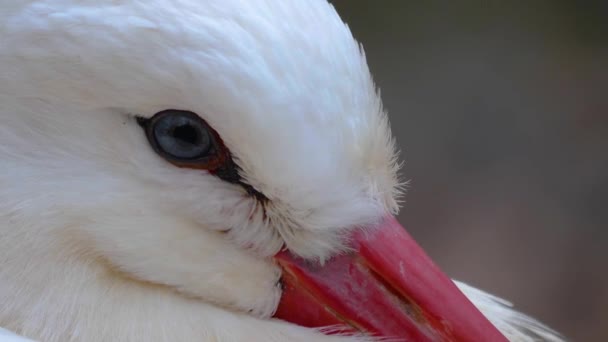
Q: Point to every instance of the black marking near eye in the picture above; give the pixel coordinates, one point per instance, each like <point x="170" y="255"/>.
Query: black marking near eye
<point x="231" y="174"/>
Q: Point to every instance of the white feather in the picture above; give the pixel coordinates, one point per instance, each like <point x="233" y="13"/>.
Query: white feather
<point x="7" y="336"/>
<point x="517" y="326"/>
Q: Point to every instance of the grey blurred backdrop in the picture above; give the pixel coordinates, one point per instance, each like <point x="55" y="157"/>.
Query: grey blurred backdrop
<point x="501" y="111"/>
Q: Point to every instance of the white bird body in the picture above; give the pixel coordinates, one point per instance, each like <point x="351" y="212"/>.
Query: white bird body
<point x="7" y="336"/>
<point x="102" y="240"/>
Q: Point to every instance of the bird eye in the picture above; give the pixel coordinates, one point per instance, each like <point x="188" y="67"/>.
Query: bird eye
<point x="183" y="138"/>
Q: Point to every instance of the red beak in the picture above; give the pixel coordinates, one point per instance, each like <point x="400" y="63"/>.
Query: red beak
<point x="388" y="287"/>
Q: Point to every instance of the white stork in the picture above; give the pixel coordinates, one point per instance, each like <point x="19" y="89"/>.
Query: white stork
<point x="183" y="170"/>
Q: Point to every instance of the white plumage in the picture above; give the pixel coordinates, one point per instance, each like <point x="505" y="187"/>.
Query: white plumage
<point x="7" y="336"/>
<point x="102" y="240"/>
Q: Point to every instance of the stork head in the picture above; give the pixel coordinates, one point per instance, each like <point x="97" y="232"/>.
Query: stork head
<point x="184" y="143"/>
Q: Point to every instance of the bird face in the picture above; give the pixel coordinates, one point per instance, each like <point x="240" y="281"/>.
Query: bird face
<point x="181" y="145"/>
<point x="284" y="89"/>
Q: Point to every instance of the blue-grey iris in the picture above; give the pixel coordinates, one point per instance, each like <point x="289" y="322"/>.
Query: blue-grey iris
<point x="181" y="135"/>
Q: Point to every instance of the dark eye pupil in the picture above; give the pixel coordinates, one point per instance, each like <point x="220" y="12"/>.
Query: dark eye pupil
<point x="187" y="134"/>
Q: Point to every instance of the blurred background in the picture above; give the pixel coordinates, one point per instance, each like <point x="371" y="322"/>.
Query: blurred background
<point x="501" y="111"/>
